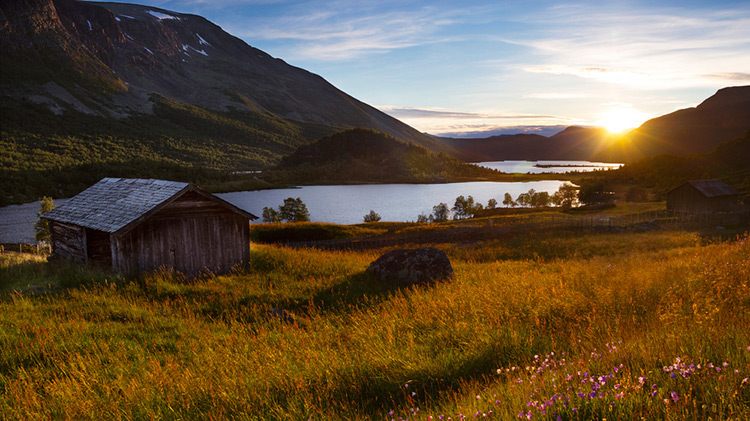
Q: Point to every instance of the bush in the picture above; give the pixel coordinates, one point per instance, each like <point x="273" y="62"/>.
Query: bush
<point x="372" y="217"/>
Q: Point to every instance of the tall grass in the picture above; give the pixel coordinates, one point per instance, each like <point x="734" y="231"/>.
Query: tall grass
<point x="305" y="334"/>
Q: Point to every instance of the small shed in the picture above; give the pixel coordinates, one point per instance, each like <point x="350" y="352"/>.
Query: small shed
<point x="703" y="196"/>
<point x="137" y="225"/>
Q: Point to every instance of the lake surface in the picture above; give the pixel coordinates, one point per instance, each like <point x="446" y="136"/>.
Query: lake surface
<point x="555" y="167"/>
<point x="336" y="204"/>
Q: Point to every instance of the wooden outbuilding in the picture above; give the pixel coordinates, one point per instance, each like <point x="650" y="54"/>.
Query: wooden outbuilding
<point x="137" y="225"/>
<point x="703" y="196"/>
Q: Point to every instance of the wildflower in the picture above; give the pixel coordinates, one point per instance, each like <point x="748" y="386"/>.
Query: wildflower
<point x="654" y="393"/>
<point x="675" y="397"/>
<point x="641" y="380"/>
<point x="414" y="393"/>
<point x="479" y="397"/>
<point x="744" y="380"/>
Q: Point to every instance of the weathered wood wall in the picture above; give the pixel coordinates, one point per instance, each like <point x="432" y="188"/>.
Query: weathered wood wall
<point x="68" y="241"/>
<point x="191" y="234"/>
<point x="687" y="198"/>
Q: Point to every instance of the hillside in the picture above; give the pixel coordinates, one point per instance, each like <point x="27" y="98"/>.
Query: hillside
<point x="573" y="143"/>
<point x="728" y="162"/>
<point x="362" y="154"/>
<point x="122" y="89"/>
<point x="721" y="117"/>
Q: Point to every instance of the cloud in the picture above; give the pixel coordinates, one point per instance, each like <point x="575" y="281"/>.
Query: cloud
<point x="655" y="48"/>
<point x="348" y="30"/>
<point x="443" y="122"/>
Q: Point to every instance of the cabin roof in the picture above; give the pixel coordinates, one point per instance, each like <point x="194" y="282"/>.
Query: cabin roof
<point x="115" y="205"/>
<point x="712" y="188"/>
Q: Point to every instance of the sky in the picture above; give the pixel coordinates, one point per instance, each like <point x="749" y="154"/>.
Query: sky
<point x="478" y="68"/>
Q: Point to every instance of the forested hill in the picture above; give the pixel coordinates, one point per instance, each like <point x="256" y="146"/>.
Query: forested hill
<point x="363" y="154"/>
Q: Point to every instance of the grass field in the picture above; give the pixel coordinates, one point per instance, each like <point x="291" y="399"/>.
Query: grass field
<point x="650" y="325"/>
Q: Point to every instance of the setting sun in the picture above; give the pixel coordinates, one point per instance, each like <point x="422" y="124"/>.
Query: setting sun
<point x="617" y="120"/>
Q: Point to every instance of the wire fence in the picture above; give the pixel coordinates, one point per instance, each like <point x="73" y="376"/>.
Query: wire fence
<point x="493" y="228"/>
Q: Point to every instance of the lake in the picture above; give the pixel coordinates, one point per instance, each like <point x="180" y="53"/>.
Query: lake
<point x="336" y="204"/>
<point x="555" y="167"/>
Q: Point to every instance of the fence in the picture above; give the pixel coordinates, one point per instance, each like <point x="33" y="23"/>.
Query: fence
<point x="38" y="248"/>
<point x="486" y="229"/>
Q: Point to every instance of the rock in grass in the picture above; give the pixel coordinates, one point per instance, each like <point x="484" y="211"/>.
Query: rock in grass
<point x="412" y="267"/>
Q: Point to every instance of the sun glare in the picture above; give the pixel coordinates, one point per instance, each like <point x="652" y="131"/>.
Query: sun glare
<point x="617" y="120"/>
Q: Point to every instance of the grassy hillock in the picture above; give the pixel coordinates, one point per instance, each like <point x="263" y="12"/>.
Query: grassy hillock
<point x="649" y="325"/>
<point x="366" y="155"/>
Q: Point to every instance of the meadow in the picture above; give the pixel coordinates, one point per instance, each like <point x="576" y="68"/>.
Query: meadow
<point x="560" y="325"/>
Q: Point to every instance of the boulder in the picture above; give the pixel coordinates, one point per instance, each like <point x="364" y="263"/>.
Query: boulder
<point x="411" y="267"/>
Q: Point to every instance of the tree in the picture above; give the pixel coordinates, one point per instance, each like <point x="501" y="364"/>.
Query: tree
<point x="440" y="212"/>
<point x="465" y="207"/>
<point x="372" y="217"/>
<point x="566" y="196"/>
<point x="422" y="218"/>
<point x="539" y="199"/>
<point x="523" y="199"/>
<point x="595" y="193"/>
<point x="293" y="210"/>
<point x="491" y="204"/>
<point x="41" y="227"/>
<point x="508" y="200"/>
<point x="271" y="215"/>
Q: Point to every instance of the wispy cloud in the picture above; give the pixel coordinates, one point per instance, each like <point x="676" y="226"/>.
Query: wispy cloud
<point x="456" y="123"/>
<point x="348" y="30"/>
<point x="657" y="49"/>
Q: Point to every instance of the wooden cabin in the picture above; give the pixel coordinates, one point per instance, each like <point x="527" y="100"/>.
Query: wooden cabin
<point x="137" y="225"/>
<point x="703" y="196"/>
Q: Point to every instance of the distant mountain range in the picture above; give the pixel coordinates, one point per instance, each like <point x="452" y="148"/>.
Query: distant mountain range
<point x="718" y="119"/>
<point x="573" y="143"/>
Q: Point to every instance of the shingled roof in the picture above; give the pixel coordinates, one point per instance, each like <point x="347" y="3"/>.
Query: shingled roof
<point x="713" y="188"/>
<point x="113" y="204"/>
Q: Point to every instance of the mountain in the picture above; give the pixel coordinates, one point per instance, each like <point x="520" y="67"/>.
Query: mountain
<point x="127" y="90"/>
<point x="722" y="117"/>
<point x="573" y="143"/>
<point x="108" y="58"/>
<point x="362" y="154"/>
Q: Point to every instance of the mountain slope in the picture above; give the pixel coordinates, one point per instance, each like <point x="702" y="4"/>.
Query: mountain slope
<point x="721" y="117"/>
<point x="108" y="58"/>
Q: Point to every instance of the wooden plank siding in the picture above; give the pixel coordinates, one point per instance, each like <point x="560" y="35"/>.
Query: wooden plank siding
<point x="68" y="241"/>
<point x="192" y="234"/>
<point x="687" y="198"/>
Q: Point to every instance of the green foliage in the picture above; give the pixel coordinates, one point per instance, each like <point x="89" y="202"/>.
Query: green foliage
<point x="465" y="207"/>
<point x="42" y="153"/>
<point x="595" y="192"/>
<point x="371" y="217"/>
<point x="508" y="200"/>
<point x="294" y="210"/>
<point x="271" y="215"/>
<point x="440" y="212"/>
<point x="362" y="154"/>
<point x="41" y="226"/>
<point x="566" y="196"/>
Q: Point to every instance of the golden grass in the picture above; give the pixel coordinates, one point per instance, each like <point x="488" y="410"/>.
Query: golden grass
<point x="305" y="334"/>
